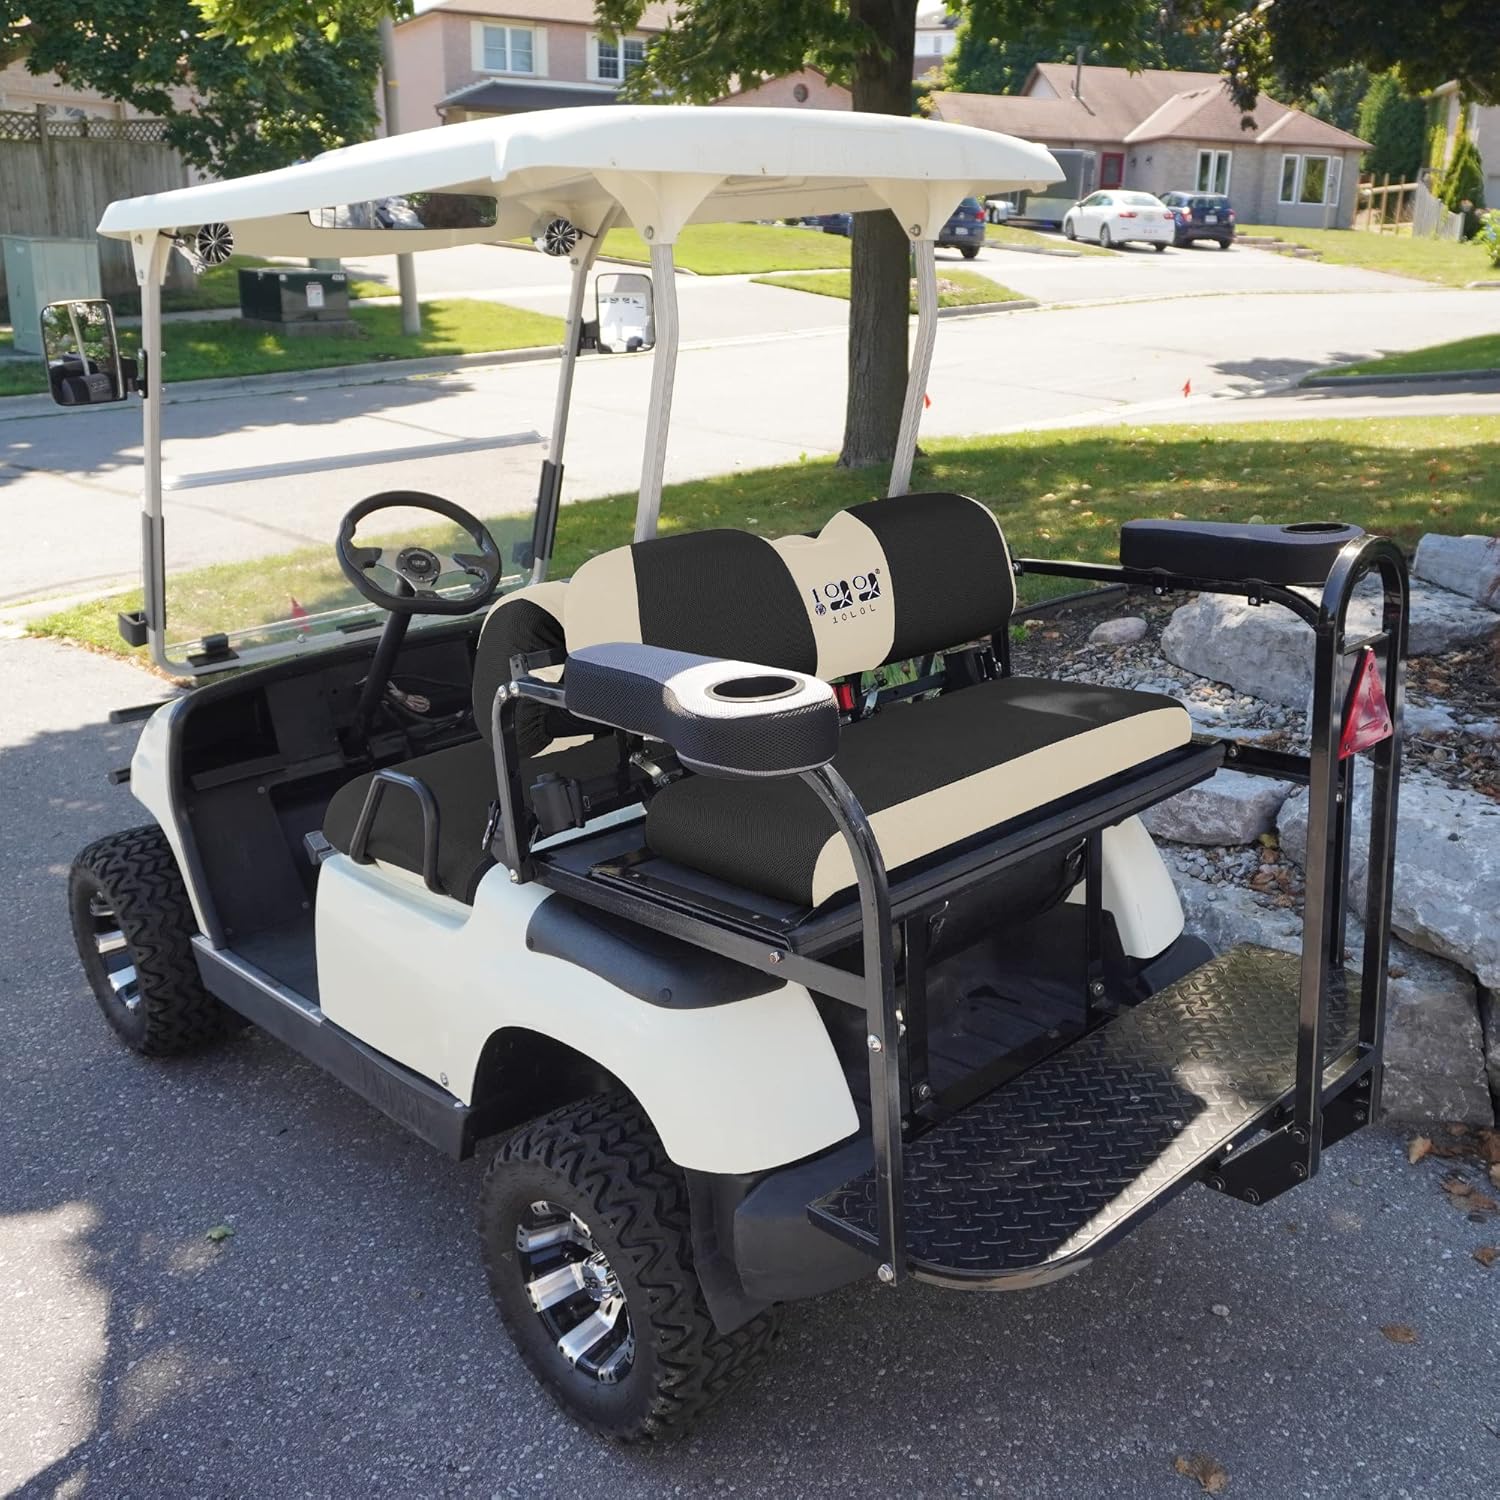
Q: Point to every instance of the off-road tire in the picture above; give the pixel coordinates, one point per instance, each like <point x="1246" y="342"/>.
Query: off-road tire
<point x="136" y="875"/>
<point x="600" y="1159"/>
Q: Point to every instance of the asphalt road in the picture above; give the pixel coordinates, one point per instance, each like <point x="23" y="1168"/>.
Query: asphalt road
<point x="341" y="1342"/>
<point x="262" y="472"/>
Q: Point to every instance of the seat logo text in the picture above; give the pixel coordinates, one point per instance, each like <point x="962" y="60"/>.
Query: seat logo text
<point x="847" y="598"/>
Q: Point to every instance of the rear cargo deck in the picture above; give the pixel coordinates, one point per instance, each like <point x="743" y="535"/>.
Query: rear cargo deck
<point x="1033" y="1179"/>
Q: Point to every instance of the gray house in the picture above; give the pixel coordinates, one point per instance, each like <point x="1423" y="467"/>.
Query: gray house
<point x="1161" y="131"/>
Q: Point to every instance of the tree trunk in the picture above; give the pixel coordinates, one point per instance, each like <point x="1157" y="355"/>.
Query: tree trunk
<point x="880" y="263"/>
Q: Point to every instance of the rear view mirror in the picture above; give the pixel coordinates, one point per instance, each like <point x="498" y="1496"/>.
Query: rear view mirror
<point x="82" y="354"/>
<point x="622" y="302"/>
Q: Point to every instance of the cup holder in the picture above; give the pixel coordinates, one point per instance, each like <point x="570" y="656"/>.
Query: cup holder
<point x="763" y="688"/>
<point x="1317" y="528"/>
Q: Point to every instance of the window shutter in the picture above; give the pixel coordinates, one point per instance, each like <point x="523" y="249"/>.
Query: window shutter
<point x="539" y="52"/>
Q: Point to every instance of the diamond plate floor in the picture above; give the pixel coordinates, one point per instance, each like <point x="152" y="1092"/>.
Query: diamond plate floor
<point x="1040" y="1171"/>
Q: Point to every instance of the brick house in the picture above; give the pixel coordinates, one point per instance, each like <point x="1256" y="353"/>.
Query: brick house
<point x="1160" y="131"/>
<point x="467" y="59"/>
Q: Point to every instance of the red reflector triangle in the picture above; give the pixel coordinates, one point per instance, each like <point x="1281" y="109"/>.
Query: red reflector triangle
<point x="1367" y="719"/>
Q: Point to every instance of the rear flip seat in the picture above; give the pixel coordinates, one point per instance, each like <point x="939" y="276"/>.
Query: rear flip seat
<point x="884" y="581"/>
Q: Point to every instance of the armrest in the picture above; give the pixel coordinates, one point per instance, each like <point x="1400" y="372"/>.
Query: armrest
<point x="1303" y="552"/>
<point x="723" y="718"/>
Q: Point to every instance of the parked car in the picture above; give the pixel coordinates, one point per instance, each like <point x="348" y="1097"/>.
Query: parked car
<point x="999" y="210"/>
<point x="831" y="223"/>
<point x="1201" y="216"/>
<point x="964" y="230"/>
<point x="1116" y="216"/>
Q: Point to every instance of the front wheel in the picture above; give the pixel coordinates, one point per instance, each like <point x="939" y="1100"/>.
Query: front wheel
<point x="588" y="1248"/>
<point x="1105" y="242"/>
<point x="133" y="924"/>
<point x="1069" y="232"/>
<point x="968" y="251"/>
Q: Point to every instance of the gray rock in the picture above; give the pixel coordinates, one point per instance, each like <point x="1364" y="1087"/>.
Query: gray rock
<point x="1435" y="1062"/>
<point x="1424" y="722"/>
<point x="1489" y="1018"/>
<point x="1447" y="891"/>
<point x="1434" y="1044"/>
<point x="1231" y="807"/>
<point x="1469" y="565"/>
<point x="1265" y="650"/>
<point x="1122" y="632"/>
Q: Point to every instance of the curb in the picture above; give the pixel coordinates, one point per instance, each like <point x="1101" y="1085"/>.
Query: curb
<point x="17" y="408"/>
<point x="1482" y="286"/>
<point x="977" y="309"/>
<point x="1058" y="252"/>
<point x="1427" y="377"/>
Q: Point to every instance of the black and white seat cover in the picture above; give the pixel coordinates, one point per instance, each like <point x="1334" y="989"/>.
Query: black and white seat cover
<point x="882" y="582"/>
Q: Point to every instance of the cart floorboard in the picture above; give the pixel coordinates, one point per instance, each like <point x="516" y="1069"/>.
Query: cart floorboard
<point x="1034" y="1178"/>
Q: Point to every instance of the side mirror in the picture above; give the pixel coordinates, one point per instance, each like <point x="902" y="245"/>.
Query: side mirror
<point x="82" y="354"/>
<point x="622" y="304"/>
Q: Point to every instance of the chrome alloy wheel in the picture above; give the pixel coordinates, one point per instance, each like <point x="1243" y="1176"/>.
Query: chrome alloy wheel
<point x="575" y="1293"/>
<point x="114" y="953"/>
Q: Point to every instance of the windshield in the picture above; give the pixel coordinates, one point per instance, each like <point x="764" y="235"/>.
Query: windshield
<point x="250" y="549"/>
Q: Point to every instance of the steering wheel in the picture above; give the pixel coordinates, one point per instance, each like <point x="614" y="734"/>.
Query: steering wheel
<point x="419" y="569"/>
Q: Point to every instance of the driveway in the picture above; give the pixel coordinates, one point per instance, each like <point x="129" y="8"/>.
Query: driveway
<point x="263" y="472"/>
<point x="342" y="1342"/>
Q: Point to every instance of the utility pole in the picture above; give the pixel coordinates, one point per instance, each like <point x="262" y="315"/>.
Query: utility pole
<point x="406" y="270"/>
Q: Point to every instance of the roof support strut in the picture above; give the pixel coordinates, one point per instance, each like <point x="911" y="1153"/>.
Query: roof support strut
<point x="150" y="253"/>
<point x="663" y="372"/>
<point x="549" y="493"/>
<point x="925" y="265"/>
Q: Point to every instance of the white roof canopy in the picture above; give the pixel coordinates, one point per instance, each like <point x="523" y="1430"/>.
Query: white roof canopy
<point x="663" y="165"/>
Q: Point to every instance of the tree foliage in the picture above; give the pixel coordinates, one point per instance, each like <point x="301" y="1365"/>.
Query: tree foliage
<point x="226" y="112"/>
<point x="1337" y="98"/>
<point x="264" y="27"/>
<point x="1302" y="41"/>
<point x="1395" y="125"/>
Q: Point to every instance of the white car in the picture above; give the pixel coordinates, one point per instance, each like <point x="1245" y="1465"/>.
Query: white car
<point x="1113" y="217"/>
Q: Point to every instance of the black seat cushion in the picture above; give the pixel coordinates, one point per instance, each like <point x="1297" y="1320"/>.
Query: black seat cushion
<point x="462" y="782"/>
<point x="928" y="774"/>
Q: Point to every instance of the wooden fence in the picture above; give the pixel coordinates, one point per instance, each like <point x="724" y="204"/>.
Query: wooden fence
<point x="57" y="177"/>
<point x="1387" y="207"/>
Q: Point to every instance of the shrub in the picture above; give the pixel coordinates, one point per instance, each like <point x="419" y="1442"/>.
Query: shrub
<point x="1462" y="184"/>
<point x="1489" y="234"/>
<point x="1395" y="125"/>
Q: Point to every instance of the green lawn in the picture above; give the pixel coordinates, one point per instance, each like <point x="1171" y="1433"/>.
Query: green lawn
<point x="195" y="351"/>
<point x="1482" y="353"/>
<point x="955" y="288"/>
<point x="1004" y="234"/>
<point x="739" y="249"/>
<point x="1058" y="494"/>
<point x="1399" y="254"/>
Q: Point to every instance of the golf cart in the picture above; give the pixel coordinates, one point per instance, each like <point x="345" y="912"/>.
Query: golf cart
<point x="782" y="934"/>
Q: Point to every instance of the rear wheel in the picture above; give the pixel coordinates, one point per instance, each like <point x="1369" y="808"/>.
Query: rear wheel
<point x="1158" y="247"/>
<point x="1105" y="242"/>
<point x="1224" y="244"/>
<point x="968" y="251"/>
<point x="133" y="924"/>
<point x="588" y="1248"/>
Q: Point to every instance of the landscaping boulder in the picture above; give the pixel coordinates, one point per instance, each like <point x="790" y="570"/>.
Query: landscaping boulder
<point x="1434" y="1048"/>
<point x="1122" y="632"/>
<point x="1468" y="565"/>
<point x="1447" y="891"/>
<point x="1231" y="807"/>
<point x="1489" y="1018"/>
<point x="1265" y="650"/>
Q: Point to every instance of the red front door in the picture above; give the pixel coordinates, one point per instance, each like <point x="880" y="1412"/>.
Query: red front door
<point x="1111" y="169"/>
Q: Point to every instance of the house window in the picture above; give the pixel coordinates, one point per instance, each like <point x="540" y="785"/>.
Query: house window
<point x="617" y="57"/>
<point x="508" y="49"/>
<point x="1213" y="171"/>
<point x="1111" y="169"/>
<point x="1311" y="179"/>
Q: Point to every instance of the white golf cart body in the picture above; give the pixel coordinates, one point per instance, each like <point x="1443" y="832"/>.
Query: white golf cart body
<point x="422" y="996"/>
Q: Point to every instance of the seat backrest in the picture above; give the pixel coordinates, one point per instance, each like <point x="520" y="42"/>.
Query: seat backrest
<point x="528" y="620"/>
<point x="881" y="582"/>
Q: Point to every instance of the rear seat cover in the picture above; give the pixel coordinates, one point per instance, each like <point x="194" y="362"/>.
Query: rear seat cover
<point x="884" y="581"/>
